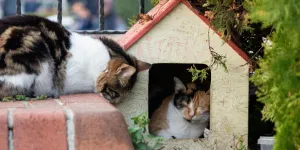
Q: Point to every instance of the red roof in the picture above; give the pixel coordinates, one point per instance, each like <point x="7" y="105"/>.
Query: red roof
<point x="158" y="12"/>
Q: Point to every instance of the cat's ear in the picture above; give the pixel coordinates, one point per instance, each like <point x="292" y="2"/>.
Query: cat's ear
<point x="141" y="65"/>
<point x="125" y="71"/>
<point x="179" y="86"/>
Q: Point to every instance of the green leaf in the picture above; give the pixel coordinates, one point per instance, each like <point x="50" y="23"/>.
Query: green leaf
<point x="7" y="99"/>
<point x="141" y="146"/>
<point x="133" y="129"/>
<point x="41" y="97"/>
<point x="154" y="2"/>
<point x="278" y="75"/>
<point x="198" y="74"/>
<point x="140" y="138"/>
<point x="21" y="97"/>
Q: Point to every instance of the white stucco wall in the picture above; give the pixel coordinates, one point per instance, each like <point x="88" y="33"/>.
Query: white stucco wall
<point x="181" y="37"/>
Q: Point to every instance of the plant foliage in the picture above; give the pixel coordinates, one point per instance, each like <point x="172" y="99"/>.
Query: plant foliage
<point x="129" y="9"/>
<point x="278" y="77"/>
<point x="239" y="143"/>
<point x="23" y="98"/>
<point x="141" y="139"/>
<point x="198" y="74"/>
<point x="227" y="16"/>
<point x="231" y="20"/>
<point x="154" y="2"/>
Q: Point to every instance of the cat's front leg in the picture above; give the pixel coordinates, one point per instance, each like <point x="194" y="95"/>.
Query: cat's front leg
<point x="165" y="134"/>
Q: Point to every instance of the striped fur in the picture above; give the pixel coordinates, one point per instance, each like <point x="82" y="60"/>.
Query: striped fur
<point x="40" y="57"/>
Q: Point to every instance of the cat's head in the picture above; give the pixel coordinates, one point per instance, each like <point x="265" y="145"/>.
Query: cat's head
<point x="119" y="78"/>
<point x="192" y="103"/>
<point x="121" y="72"/>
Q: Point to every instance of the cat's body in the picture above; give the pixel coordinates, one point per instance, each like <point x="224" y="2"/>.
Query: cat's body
<point x="40" y="57"/>
<point x="80" y="60"/>
<point x="184" y="114"/>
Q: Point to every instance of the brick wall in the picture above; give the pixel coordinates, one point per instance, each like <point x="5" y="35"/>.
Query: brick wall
<point x="81" y="122"/>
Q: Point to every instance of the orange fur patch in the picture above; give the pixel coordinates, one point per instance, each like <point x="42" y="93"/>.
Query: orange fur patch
<point x="190" y="88"/>
<point x="159" y="120"/>
<point x="202" y="102"/>
<point x="110" y="75"/>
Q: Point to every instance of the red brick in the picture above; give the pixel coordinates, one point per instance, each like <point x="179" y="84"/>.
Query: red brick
<point x="98" y="125"/>
<point x="3" y="130"/>
<point x="39" y="128"/>
<point x="49" y="103"/>
<point x="88" y="98"/>
<point x="4" y="105"/>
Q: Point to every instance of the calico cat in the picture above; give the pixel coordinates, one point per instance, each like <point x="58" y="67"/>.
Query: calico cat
<point x="184" y="114"/>
<point x="41" y="57"/>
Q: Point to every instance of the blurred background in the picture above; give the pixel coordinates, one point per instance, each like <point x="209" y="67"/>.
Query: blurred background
<point x="80" y="14"/>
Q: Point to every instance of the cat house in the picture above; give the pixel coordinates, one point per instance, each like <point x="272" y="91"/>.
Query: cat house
<point x="175" y="34"/>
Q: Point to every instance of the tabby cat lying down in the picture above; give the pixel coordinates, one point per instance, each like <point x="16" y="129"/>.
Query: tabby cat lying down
<point x="184" y="114"/>
<point x="40" y="57"/>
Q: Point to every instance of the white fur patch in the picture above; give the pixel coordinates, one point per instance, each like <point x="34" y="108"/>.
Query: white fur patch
<point x="44" y="82"/>
<point x="179" y="127"/>
<point x="191" y="107"/>
<point x="89" y="59"/>
<point x="22" y="80"/>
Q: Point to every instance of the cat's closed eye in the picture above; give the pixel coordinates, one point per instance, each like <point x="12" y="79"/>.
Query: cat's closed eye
<point x="109" y="93"/>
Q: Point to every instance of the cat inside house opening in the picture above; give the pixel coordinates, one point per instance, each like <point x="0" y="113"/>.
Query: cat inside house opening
<point x="178" y="106"/>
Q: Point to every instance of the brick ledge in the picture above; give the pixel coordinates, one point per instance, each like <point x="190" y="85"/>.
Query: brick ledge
<point x="79" y="121"/>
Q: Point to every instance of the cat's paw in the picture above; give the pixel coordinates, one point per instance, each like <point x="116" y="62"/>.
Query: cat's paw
<point x="206" y="133"/>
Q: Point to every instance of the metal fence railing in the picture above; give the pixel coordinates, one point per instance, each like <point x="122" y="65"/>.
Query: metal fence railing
<point x="101" y="17"/>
